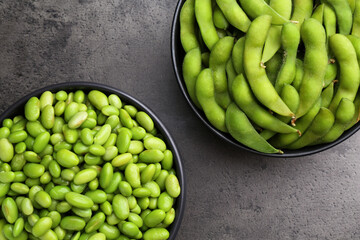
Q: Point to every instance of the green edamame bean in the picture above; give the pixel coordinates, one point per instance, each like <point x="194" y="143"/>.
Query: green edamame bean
<point x="123" y="140"/>
<point x="120" y="207"/>
<point x="32" y="109"/>
<point x="4" y="132"/>
<point x="70" y="135"/>
<point x="47" y="117"/>
<point x="77" y="120"/>
<point x="145" y="121"/>
<point x="102" y="135"/>
<point x="257" y="78"/>
<point x="245" y="132"/>
<point x="299" y="74"/>
<point x="67" y="174"/>
<point x="111" y="232"/>
<point x="33" y="170"/>
<point x="7" y="123"/>
<point x="167" y="162"/>
<point x="154" y="218"/>
<point x="126" y="119"/>
<point x="55" y="218"/>
<point x="20" y="125"/>
<point x="86" y="136"/>
<point x="136" y="219"/>
<point x="121" y="160"/>
<point x="106" y="208"/>
<point x="313" y="36"/>
<point x="78" y="200"/>
<point x="32" y="157"/>
<point x="85" y="176"/>
<point x="247" y="102"/>
<point x="148" y="173"/>
<point x="43" y="199"/>
<point x="110" y="153"/>
<point x="141" y="192"/>
<point x="18" y="136"/>
<point x="41" y="141"/>
<point x="191" y="70"/>
<point x="115" y="101"/>
<point x="27" y="207"/>
<point x="9" y="210"/>
<point x="79" y="96"/>
<point x="113" y="121"/>
<point x="138" y="133"/>
<point x="59" y="108"/>
<point x="72" y="223"/>
<point x="6" y="150"/>
<point x="154" y="188"/>
<point x="343" y="15"/>
<point x="132" y="175"/>
<point x="77" y="188"/>
<point x="165" y="202"/>
<point x="97" y="236"/>
<point x="18" y="162"/>
<point x="170" y="217"/>
<point x="70" y="110"/>
<point x="349" y="80"/>
<point x="114" y="183"/>
<point x="125" y="188"/>
<point x="160" y="180"/>
<point x="61" y="95"/>
<point x="135" y="147"/>
<point x="98" y="196"/>
<point x="89" y="123"/>
<point x="110" y="110"/>
<point x="172" y="186"/>
<point x="84" y="213"/>
<point x="155" y="143"/>
<point x="97" y="150"/>
<point x="7" y="177"/>
<point x="111" y="140"/>
<point x="19" y="188"/>
<point x="106" y="175"/>
<point x="18" y="227"/>
<point x="67" y="158"/>
<point x="187" y="26"/>
<point x="153" y="203"/>
<point x="129" y="229"/>
<point x="63" y="207"/>
<point x="58" y="125"/>
<point x="42" y="226"/>
<point x="98" y="99"/>
<point x="95" y="222"/>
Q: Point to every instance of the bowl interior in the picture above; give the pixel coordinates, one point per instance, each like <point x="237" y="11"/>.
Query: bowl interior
<point x="18" y="108"/>
<point x="177" y="55"/>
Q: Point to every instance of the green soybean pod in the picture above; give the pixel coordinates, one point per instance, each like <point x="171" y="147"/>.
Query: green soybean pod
<point x="145" y="121"/>
<point x="188" y="26"/>
<point x="343" y="15"/>
<point x="67" y="158"/>
<point x="349" y="78"/>
<point x="290" y="39"/>
<point x="6" y="150"/>
<point x="220" y="21"/>
<point x="343" y="116"/>
<point x="32" y="109"/>
<point x="302" y="9"/>
<point x="329" y="21"/>
<point x="9" y="210"/>
<point x="203" y="13"/>
<point x="72" y="223"/>
<point x="98" y="99"/>
<point x="121" y="207"/>
<point x="321" y="124"/>
<point x="95" y="222"/>
<point x="85" y="176"/>
<point x="205" y="92"/>
<point x="244" y="98"/>
<point x="156" y="234"/>
<point x="258" y="8"/>
<point x="42" y="226"/>
<point x="356" y="20"/>
<point x="330" y="74"/>
<point x="327" y="95"/>
<point x="241" y="129"/>
<point x="313" y="36"/>
<point x="318" y="13"/>
<point x="237" y="55"/>
<point x="78" y="200"/>
<point x="256" y="74"/>
<point x="191" y="69"/>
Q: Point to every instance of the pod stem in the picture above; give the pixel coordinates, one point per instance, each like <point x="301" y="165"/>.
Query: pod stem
<point x="332" y="60"/>
<point x="293" y="120"/>
<point x="281" y="152"/>
<point x="262" y="65"/>
<point x="294" y="21"/>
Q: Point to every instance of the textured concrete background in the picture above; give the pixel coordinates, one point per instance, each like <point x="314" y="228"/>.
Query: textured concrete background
<point x="232" y="194"/>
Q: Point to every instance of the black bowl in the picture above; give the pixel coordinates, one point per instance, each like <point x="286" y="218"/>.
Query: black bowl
<point x="18" y="109"/>
<point x="177" y="56"/>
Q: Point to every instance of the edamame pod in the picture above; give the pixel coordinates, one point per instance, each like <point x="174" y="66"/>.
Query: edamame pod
<point x="191" y="70"/>
<point x="290" y="39"/>
<point x="241" y="129"/>
<point x="205" y="92"/>
<point x="349" y="78"/>
<point x="343" y="116"/>
<point x="322" y="123"/>
<point x="234" y="14"/>
<point x="219" y="19"/>
<point x="327" y="95"/>
<point x="246" y="101"/>
<point x="237" y="55"/>
<point x="318" y="13"/>
<point x="231" y="75"/>
<point x="281" y="140"/>
<point x="329" y="21"/>
<point x="219" y="56"/>
<point x="188" y="26"/>
<point x="203" y="13"/>
<point x="343" y="15"/>
<point x="356" y="20"/>
<point x="301" y="11"/>
<point x="273" y="67"/>
<point x="330" y="74"/>
<point x="255" y="72"/>
<point x="315" y="63"/>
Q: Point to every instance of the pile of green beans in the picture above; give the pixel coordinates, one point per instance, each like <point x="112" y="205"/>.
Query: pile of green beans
<point x="274" y="74"/>
<point x="84" y="166"/>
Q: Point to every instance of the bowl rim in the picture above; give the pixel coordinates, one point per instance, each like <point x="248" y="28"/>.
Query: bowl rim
<point x="176" y="48"/>
<point x="180" y="201"/>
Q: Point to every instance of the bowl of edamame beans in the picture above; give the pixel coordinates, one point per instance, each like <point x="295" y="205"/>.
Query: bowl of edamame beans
<point x="276" y="78"/>
<point x="87" y="161"/>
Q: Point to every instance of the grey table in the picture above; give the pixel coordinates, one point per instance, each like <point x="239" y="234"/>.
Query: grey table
<point x="231" y="194"/>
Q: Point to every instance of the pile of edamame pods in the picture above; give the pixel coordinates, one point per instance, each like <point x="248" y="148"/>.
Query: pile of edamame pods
<point x="84" y="166"/>
<point x="274" y="74"/>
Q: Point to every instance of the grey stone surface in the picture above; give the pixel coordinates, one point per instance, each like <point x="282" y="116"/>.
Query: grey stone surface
<point x="231" y="194"/>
